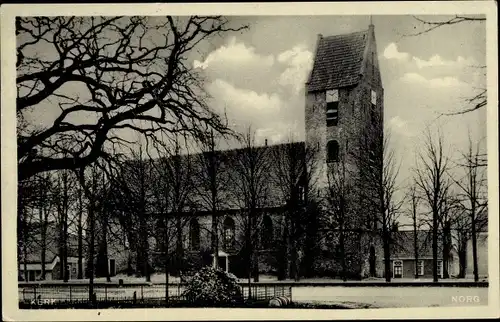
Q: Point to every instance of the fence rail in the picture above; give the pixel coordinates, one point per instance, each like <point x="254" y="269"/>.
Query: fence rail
<point x="79" y="294"/>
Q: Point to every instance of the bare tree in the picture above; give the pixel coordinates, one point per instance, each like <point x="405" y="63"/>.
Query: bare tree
<point x="45" y="207"/>
<point x="293" y="165"/>
<point x="63" y="196"/>
<point x="433" y="184"/>
<point x="130" y="73"/>
<point x="90" y="181"/>
<point x="338" y="218"/>
<point x="29" y="205"/>
<point x="211" y="184"/>
<point x="473" y="196"/>
<point x="414" y="199"/>
<point x="133" y="181"/>
<point x="80" y="226"/>
<point x="250" y="189"/>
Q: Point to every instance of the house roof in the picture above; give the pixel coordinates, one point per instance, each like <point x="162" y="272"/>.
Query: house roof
<point x="403" y="244"/>
<point x="338" y="61"/>
<point x="34" y="252"/>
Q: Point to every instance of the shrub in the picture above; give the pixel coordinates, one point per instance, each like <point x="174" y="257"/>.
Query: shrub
<point x="213" y="287"/>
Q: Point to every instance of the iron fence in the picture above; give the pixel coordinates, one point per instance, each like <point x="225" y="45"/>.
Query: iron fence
<point x="74" y="294"/>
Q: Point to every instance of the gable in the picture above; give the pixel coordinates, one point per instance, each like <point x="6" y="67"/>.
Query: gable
<point x="338" y="61"/>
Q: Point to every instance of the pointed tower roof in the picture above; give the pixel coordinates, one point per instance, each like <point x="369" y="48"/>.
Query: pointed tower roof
<point x="338" y="61"/>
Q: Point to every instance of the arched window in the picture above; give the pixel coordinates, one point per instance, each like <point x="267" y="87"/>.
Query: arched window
<point x="267" y="238"/>
<point x="228" y="234"/>
<point x="194" y="234"/>
<point x="333" y="151"/>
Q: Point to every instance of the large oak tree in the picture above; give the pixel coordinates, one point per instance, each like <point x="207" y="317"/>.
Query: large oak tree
<point x="99" y="75"/>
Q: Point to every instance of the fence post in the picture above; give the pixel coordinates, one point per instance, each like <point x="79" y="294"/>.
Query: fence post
<point x="265" y="287"/>
<point x="135" y="297"/>
<point x="70" y="293"/>
<point x="142" y="292"/>
<point x="106" y="292"/>
<point x="34" y="293"/>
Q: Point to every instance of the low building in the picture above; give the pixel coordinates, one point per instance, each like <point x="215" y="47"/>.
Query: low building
<point x="408" y="263"/>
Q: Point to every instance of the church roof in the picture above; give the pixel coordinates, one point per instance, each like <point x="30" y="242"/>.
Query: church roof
<point x="338" y="61"/>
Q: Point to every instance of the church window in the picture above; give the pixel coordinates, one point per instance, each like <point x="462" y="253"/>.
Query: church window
<point x="333" y="151"/>
<point x="332" y="107"/>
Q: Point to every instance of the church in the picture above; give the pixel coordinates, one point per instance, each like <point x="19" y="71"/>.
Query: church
<point x="270" y="197"/>
<point x="343" y="96"/>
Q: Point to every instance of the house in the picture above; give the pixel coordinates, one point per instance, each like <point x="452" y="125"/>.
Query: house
<point x="403" y="259"/>
<point x="31" y="262"/>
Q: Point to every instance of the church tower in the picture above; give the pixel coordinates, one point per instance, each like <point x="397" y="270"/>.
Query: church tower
<point x="344" y="94"/>
<point x="344" y="107"/>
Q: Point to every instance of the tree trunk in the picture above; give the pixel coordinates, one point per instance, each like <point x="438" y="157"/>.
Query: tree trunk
<point x="80" y="244"/>
<point x="343" y="255"/>
<point x="462" y="261"/>
<point x="446" y="248"/>
<point x="434" y="245"/>
<point x="387" y="254"/>
<point x="65" y="226"/>
<point x="215" y="238"/>
<point x="249" y="255"/>
<point x="415" y="242"/>
<point x="91" y="249"/>
<point x="179" y="248"/>
<point x="254" y="233"/>
<point x="105" y="242"/>
<point x="166" y="244"/>
<point x="43" y="243"/>
<point x="474" y="250"/>
<point x="283" y="255"/>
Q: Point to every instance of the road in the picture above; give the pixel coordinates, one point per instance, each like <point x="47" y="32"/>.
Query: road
<point x="391" y="297"/>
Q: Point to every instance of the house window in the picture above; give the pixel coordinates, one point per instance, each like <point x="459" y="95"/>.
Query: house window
<point x="332" y="107"/>
<point x="228" y="235"/>
<point x="333" y="151"/>
<point x="440" y="268"/>
<point x="373" y="107"/>
<point x="398" y="269"/>
<point x="420" y="268"/>
<point x="194" y="234"/>
<point x="267" y="232"/>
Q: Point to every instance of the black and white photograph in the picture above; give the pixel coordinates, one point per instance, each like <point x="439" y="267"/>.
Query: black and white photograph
<point x="339" y="159"/>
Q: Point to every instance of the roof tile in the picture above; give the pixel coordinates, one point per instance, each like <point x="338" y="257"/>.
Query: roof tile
<point x="338" y="61"/>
